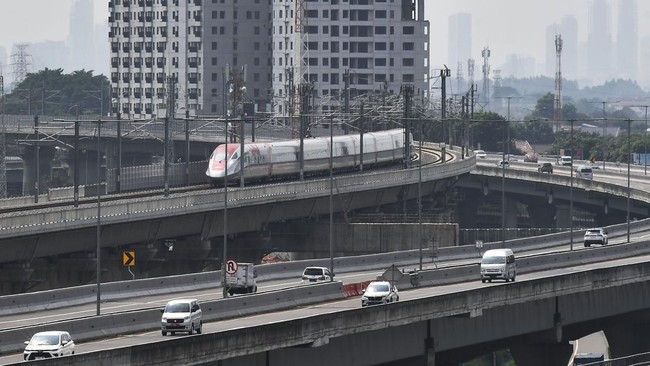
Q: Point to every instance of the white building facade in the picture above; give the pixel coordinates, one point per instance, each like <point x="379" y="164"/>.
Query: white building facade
<point x="187" y="45"/>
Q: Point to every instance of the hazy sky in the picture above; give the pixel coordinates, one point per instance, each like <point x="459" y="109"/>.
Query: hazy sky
<point x="507" y="26"/>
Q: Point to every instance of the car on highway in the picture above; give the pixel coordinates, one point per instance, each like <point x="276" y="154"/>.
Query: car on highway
<point x="545" y="168"/>
<point x="595" y="236"/>
<point x="480" y="154"/>
<point x="530" y="158"/>
<point x="48" y="344"/>
<point x="503" y="164"/>
<point x="498" y="264"/>
<point x="316" y="274"/>
<point x="585" y="172"/>
<point x="379" y="292"/>
<point x="182" y="315"/>
<point x="564" y="160"/>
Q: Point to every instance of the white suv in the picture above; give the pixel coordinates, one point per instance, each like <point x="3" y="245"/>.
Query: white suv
<point x="379" y="292"/>
<point x="595" y="236"/>
<point x="183" y="315"/>
<point x="316" y="274"/>
<point x="48" y="344"/>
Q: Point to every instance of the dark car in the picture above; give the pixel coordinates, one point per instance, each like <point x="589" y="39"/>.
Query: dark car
<point x="545" y="168"/>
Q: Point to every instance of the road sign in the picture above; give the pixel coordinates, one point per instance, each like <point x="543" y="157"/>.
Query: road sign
<point x="128" y="258"/>
<point x="231" y="266"/>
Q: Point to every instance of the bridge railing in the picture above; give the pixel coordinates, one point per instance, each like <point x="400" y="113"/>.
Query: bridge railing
<point x="641" y="359"/>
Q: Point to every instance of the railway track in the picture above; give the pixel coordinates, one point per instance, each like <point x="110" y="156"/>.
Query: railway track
<point x="437" y="159"/>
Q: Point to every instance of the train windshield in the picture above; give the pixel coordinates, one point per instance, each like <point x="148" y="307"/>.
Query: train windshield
<point x="218" y="154"/>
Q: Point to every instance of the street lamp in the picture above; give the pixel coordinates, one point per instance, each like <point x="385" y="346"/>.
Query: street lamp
<point x="571" y="189"/>
<point x="331" y="198"/>
<point x="420" y="193"/>
<point x="629" y="157"/>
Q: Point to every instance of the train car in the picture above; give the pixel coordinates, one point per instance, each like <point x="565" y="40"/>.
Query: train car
<point x="273" y="160"/>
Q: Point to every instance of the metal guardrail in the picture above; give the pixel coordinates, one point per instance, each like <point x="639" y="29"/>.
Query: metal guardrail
<point x="641" y="359"/>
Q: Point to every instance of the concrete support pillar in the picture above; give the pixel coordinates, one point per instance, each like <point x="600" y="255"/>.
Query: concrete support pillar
<point x="628" y="338"/>
<point x="542" y="215"/>
<point x="544" y="354"/>
<point x="46" y="155"/>
<point x="467" y="210"/>
<point x="563" y="216"/>
<point x="511" y="213"/>
<point x="87" y="167"/>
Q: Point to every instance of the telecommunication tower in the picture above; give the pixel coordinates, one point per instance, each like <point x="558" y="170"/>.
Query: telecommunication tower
<point x="486" y="74"/>
<point x="558" y="80"/>
<point x="20" y="63"/>
<point x="470" y="71"/>
<point x="459" y="76"/>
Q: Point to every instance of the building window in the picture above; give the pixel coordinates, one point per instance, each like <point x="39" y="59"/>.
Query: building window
<point x="408" y="46"/>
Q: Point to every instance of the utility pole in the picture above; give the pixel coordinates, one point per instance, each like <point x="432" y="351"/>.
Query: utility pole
<point x="407" y="91"/>
<point x="444" y="74"/>
<point x="3" y="146"/>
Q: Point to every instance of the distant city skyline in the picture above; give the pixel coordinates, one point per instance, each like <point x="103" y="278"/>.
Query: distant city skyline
<point x="512" y="29"/>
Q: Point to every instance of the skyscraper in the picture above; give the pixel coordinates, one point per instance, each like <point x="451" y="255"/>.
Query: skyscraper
<point x="80" y="41"/>
<point x="627" y="40"/>
<point x="459" y="48"/>
<point x="599" y="42"/>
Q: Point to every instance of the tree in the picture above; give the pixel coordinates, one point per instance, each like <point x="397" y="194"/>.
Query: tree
<point x="545" y="107"/>
<point x="488" y="130"/>
<point x="51" y="92"/>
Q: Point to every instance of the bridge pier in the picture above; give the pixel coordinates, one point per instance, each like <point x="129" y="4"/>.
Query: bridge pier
<point x="542" y="215"/>
<point x="46" y="155"/>
<point x="628" y="337"/>
<point x="87" y="166"/>
<point x="563" y="216"/>
<point x="542" y="354"/>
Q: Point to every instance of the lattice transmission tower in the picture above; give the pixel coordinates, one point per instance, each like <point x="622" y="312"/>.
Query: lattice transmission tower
<point x="20" y="62"/>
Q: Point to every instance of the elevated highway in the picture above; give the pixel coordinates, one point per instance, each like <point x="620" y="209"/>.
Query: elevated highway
<point x="474" y="320"/>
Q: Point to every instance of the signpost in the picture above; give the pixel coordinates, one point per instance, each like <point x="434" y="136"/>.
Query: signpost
<point x="128" y="260"/>
<point x="231" y="266"/>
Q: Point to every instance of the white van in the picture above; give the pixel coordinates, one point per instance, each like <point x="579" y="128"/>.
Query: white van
<point x="564" y="160"/>
<point x="585" y="171"/>
<point x="498" y="264"/>
<point x="182" y="315"/>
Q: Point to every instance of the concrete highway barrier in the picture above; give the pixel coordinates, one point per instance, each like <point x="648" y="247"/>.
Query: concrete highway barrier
<point x="94" y="327"/>
<point x="58" y="298"/>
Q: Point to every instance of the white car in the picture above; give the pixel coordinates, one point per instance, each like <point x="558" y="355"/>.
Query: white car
<point x="595" y="236"/>
<point x="504" y="164"/>
<point x="183" y="315"/>
<point x="379" y="292"/>
<point x="48" y="344"/>
<point x="480" y="154"/>
<point x="316" y="274"/>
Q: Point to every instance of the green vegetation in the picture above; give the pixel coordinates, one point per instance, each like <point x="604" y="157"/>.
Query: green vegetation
<point x="51" y="92"/>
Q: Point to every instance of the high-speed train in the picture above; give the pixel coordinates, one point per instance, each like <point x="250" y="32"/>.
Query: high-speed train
<point x="272" y="160"/>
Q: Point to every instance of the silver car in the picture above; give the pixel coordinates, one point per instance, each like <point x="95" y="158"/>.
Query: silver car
<point x="379" y="292"/>
<point x="595" y="236"/>
<point x="48" y="345"/>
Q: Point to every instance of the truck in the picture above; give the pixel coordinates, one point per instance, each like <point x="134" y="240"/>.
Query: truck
<point x="242" y="279"/>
